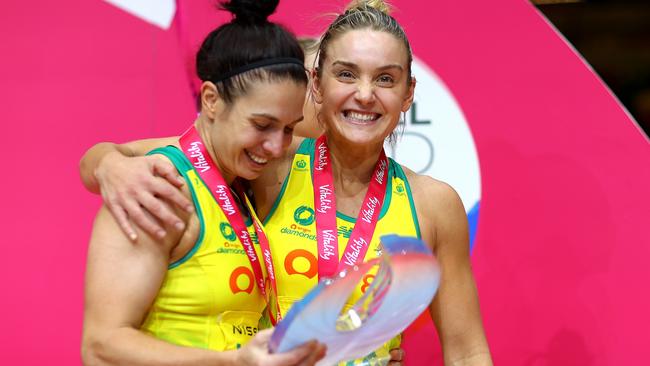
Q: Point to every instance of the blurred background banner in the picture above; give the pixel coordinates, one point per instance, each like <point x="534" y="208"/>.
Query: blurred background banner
<point x="506" y="110"/>
<point x="157" y="12"/>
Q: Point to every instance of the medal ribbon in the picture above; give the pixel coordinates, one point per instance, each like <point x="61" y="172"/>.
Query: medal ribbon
<point x="273" y="306"/>
<point x="325" y="213"/>
<point x="194" y="149"/>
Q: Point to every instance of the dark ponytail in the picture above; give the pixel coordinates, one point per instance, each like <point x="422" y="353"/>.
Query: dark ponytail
<point x="249" y="39"/>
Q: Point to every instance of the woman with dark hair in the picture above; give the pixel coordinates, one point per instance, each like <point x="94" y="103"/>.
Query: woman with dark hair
<point x="175" y="298"/>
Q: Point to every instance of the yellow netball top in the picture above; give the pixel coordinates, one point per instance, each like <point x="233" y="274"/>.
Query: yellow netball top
<point x="291" y="230"/>
<point x="209" y="298"/>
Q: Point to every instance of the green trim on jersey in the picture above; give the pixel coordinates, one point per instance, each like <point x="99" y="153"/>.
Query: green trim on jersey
<point x="183" y="166"/>
<point x="308" y="147"/>
<point x="400" y="173"/>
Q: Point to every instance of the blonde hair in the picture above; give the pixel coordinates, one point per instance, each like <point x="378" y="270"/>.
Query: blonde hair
<point x="380" y="5"/>
<point x="308" y="44"/>
<point x="364" y="14"/>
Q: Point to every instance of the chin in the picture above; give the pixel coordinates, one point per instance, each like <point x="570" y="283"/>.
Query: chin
<point x="354" y="136"/>
<point x="363" y="134"/>
<point x="250" y="175"/>
<point x="248" y="169"/>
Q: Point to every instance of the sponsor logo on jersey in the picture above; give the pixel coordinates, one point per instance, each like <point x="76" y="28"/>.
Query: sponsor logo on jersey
<point x="244" y="330"/>
<point x="242" y="280"/>
<point x="345" y="231"/>
<point x="303" y="216"/>
<point x="301" y="165"/>
<point x="399" y="189"/>
<point x="227" y="231"/>
<point x="301" y="262"/>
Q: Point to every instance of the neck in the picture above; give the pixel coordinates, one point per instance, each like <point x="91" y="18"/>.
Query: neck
<point x="352" y="166"/>
<point x="203" y="126"/>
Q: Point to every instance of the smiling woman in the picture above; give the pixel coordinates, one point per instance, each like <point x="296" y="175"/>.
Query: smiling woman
<point x="362" y="84"/>
<point x="365" y="86"/>
<point x="257" y="128"/>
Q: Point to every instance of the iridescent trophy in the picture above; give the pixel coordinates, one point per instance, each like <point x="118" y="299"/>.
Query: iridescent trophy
<point x="407" y="277"/>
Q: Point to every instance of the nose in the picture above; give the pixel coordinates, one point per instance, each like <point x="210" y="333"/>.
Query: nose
<point x="365" y="92"/>
<point x="274" y="144"/>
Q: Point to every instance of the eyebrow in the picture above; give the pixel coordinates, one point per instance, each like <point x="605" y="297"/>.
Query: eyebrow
<point x="274" y="119"/>
<point x="354" y="66"/>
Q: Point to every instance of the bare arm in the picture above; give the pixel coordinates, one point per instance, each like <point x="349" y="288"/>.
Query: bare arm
<point x="122" y="280"/>
<point x="455" y="308"/>
<point x="131" y="184"/>
<point x="91" y="161"/>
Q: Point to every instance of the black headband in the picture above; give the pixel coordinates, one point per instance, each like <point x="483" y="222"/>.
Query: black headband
<point x="258" y="64"/>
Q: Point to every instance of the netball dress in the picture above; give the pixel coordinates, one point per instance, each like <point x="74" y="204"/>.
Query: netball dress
<point x="209" y="298"/>
<point x="291" y="230"/>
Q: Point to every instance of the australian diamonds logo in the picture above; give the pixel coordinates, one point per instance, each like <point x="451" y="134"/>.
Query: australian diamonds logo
<point x="304" y="218"/>
<point x="231" y="245"/>
<point x="230" y="235"/>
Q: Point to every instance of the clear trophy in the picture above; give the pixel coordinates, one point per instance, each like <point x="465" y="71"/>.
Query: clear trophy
<point x="406" y="279"/>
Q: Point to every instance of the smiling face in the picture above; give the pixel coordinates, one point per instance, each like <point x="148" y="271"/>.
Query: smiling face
<point x="256" y="127"/>
<point x="363" y="86"/>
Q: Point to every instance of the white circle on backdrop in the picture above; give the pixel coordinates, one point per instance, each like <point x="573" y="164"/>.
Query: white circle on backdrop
<point x="437" y="140"/>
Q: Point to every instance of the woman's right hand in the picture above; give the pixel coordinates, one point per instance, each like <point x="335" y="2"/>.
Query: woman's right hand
<point x="137" y="188"/>
<point x="256" y="352"/>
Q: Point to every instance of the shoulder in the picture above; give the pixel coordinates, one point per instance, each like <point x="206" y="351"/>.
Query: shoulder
<point x="437" y="194"/>
<point x="178" y="242"/>
<point x="108" y="240"/>
<point x="439" y="207"/>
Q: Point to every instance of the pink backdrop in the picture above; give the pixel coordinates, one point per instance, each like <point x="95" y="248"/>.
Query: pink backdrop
<point x="562" y="248"/>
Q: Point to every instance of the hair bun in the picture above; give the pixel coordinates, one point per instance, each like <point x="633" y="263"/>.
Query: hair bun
<point x="381" y="5"/>
<point x="250" y="11"/>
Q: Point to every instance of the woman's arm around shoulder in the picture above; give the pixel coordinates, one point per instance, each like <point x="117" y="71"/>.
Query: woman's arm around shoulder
<point x="91" y="162"/>
<point x="131" y="184"/>
<point x="455" y="308"/>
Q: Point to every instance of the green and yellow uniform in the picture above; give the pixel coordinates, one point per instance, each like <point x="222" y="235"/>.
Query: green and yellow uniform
<point x="209" y="298"/>
<point x="291" y="230"/>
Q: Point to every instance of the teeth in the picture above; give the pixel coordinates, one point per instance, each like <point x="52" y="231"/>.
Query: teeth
<point x="362" y="116"/>
<point x="257" y="159"/>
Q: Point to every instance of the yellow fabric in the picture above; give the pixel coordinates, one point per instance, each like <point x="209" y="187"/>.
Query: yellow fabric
<point x="292" y="232"/>
<point x="209" y="298"/>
